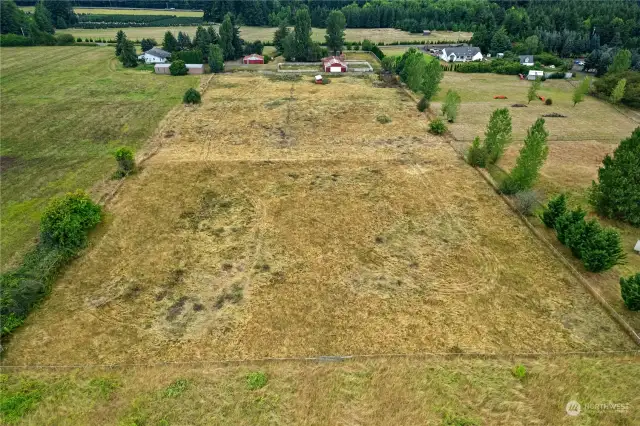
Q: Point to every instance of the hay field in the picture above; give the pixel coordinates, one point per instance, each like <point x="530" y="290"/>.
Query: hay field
<point x="280" y="218"/>
<point x="387" y="391"/>
<point x="63" y="111"/>
<point x="119" y="11"/>
<point x="377" y="35"/>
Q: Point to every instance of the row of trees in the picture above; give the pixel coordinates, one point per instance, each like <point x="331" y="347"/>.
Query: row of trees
<point x="38" y="27"/>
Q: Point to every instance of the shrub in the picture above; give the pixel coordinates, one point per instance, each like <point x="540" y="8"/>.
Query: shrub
<point x="498" y="134"/>
<point x="519" y="371"/>
<point x="256" y="380"/>
<point x="630" y="291"/>
<point x="389" y="63"/>
<point x="437" y="127"/>
<point x="178" y="68"/>
<point x="79" y="40"/>
<point x="176" y="388"/>
<point x="216" y="59"/>
<point x="14" y="40"/>
<point x="548" y="101"/>
<point x="267" y="59"/>
<point x="65" y="39"/>
<point x="526" y="202"/>
<point x="617" y="192"/>
<point x="126" y="162"/>
<point x="451" y="105"/>
<point x="191" y="96"/>
<point x="556" y="207"/>
<point x="566" y="221"/>
<point x="477" y="155"/>
<point x="423" y="104"/>
<point x="67" y="220"/>
<point x="383" y="119"/>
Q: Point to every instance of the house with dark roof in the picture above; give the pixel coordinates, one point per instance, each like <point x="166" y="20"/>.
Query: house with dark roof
<point x="461" y="54"/>
<point x="526" y="60"/>
<point x="155" y="56"/>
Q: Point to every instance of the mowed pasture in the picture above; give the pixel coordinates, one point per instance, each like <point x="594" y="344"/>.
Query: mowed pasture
<point x="577" y="146"/>
<point x="387" y="35"/>
<point x="385" y="391"/>
<point x="281" y="219"/>
<point x="63" y="111"/>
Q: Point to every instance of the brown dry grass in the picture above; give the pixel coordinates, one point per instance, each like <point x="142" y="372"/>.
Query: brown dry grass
<point x="342" y="234"/>
<point x="373" y="392"/>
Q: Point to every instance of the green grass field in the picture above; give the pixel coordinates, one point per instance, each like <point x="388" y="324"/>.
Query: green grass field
<point x="387" y="35"/>
<point x="63" y="111"/>
<point x="117" y="11"/>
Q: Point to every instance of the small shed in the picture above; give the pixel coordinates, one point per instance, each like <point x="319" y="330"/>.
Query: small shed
<point x="254" y="58"/>
<point x="162" y="68"/>
<point x="426" y="32"/>
<point x="533" y="74"/>
<point x="334" y="64"/>
<point x="195" y="68"/>
<point x="637" y="247"/>
<point x="318" y="79"/>
<point x="500" y="55"/>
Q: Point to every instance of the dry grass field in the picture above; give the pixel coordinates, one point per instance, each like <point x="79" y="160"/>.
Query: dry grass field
<point x="281" y="218"/>
<point x="118" y="11"/>
<point x="387" y="35"/>
<point x="578" y="144"/>
<point x="386" y="391"/>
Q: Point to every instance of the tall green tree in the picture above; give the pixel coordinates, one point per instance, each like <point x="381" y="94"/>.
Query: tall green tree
<point x="617" y="193"/>
<point x="498" y="134"/>
<point x="500" y="42"/>
<point x="61" y="11"/>
<point x="581" y="90"/>
<point x="531" y="158"/>
<point x="202" y="41"/>
<point x="621" y="62"/>
<point x="618" y="92"/>
<point x="147" y="44"/>
<point x="120" y="39"/>
<point x="532" y="93"/>
<point x="226" y="38"/>
<point x="184" y="41"/>
<point x="431" y="79"/>
<point x="128" y="55"/>
<point x="42" y="18"/>
<point x="169" y="43"/>
<point x="302" y="34"/>
<point x="12" y="19"/>
<point x="336" y="24"/>
<point x="213" y="36"/>
<point x="413" y="72"/>
<point x="278" y="37"/>
<point x="216" y="59"/>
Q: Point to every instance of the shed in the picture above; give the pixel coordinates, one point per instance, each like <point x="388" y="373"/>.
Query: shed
<point x="254" y="58"/>
<point x="195" y="68"/>
<point x="155" y="56"/>
<point x="162" y="68"/>
<point x="318" y="79"/>
<point x="637" y="247"/>
<point x="334" y="64"/>
<point x="500" y="55"/>
<point x="426" y="32"/>
<point x="534" y="75"/>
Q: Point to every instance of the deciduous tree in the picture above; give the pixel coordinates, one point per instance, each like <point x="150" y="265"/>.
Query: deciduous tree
<point x="531" y="158"/>
<point x="498" y="134"/>
<point x="618" y="92"/>
<point x="336" y="24"/>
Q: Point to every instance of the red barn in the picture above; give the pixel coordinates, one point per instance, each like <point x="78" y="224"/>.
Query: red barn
<point x="254" y="58"/>
<point x="334" y="64"/>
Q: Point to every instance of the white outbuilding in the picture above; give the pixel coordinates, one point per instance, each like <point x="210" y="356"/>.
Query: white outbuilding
<point x="533" y="74"/>
<point x="637" y="247"/>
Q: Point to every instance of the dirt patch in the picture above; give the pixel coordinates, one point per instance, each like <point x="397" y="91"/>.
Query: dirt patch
<point x="6" y="162"/>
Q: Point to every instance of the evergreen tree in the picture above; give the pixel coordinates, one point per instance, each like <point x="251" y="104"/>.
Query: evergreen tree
<point x="581" y="90"/>
<point x="617" y="193"/>
<point x="481" y="38"/>
<point x="184" y="41"/>
<point x="236" y="41"/>
<point x="226" y="38"/>
<point x="278" y="37"/>
<point x="216" y="59"/>
<point x="556" y="207"/>
<point x="213" y="36"/>
<point x="120" y="39"/>
<point x="498" y="134"/>
<point x="147" y="44"/>
<point x="477" y="155"/>
<point x="630" y="291"/>
<point x="618" y="91"/>
<point x="42" y="18"/>
<point x="12" y="19"/>
<point x="128" y="55"/>
<point x="335" y="31"/>
<point x="621" y="62"/>
<point x="500" y="42"/>
<point x="530" y="160"/>
<point x="60" y="11"/>
<point x="202" y="41"/>
<point x="169" y="43"/>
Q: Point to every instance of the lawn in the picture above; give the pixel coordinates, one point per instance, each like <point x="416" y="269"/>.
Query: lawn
<point x="63" y="111"/>
<point x="578" y="144"/>
<point x="387" y="35"/>
<point x="386" y="391"/>
<point x="259" y="230"/>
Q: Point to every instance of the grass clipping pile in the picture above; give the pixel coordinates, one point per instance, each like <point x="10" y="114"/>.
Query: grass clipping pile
<point x="282" y="219"/>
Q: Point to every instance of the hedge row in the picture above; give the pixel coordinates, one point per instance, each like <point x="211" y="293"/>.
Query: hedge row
<point x="105" y="21"/>
<point x="497" y="66"/>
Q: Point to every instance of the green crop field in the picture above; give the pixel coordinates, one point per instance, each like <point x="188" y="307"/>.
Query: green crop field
<point x="63" y="111"/>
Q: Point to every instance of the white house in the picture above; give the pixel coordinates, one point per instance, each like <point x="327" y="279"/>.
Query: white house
<point x="535" y="74"/>
<point x="461" y="54"/>
<point x="526" y="60"/>
<point x="155" y="56"/>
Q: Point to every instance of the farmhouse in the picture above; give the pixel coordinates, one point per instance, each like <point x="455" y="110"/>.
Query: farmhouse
<point x="254" y="58"/>
<point x="334" y="64"/>
<point x="535" y="74"/>
<point x="526" y="60"/>
<point x="461" y="54"/>
<point x="155" y="56"/>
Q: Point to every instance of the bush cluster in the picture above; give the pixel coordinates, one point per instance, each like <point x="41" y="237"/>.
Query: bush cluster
<point x="126" y="161"/>
<point x="437" y="127"/>
<point x="191" y="96"/>
<point x="178" y="68"/>
<point x="599" y="248"/>
<point x="497" y="66"/>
